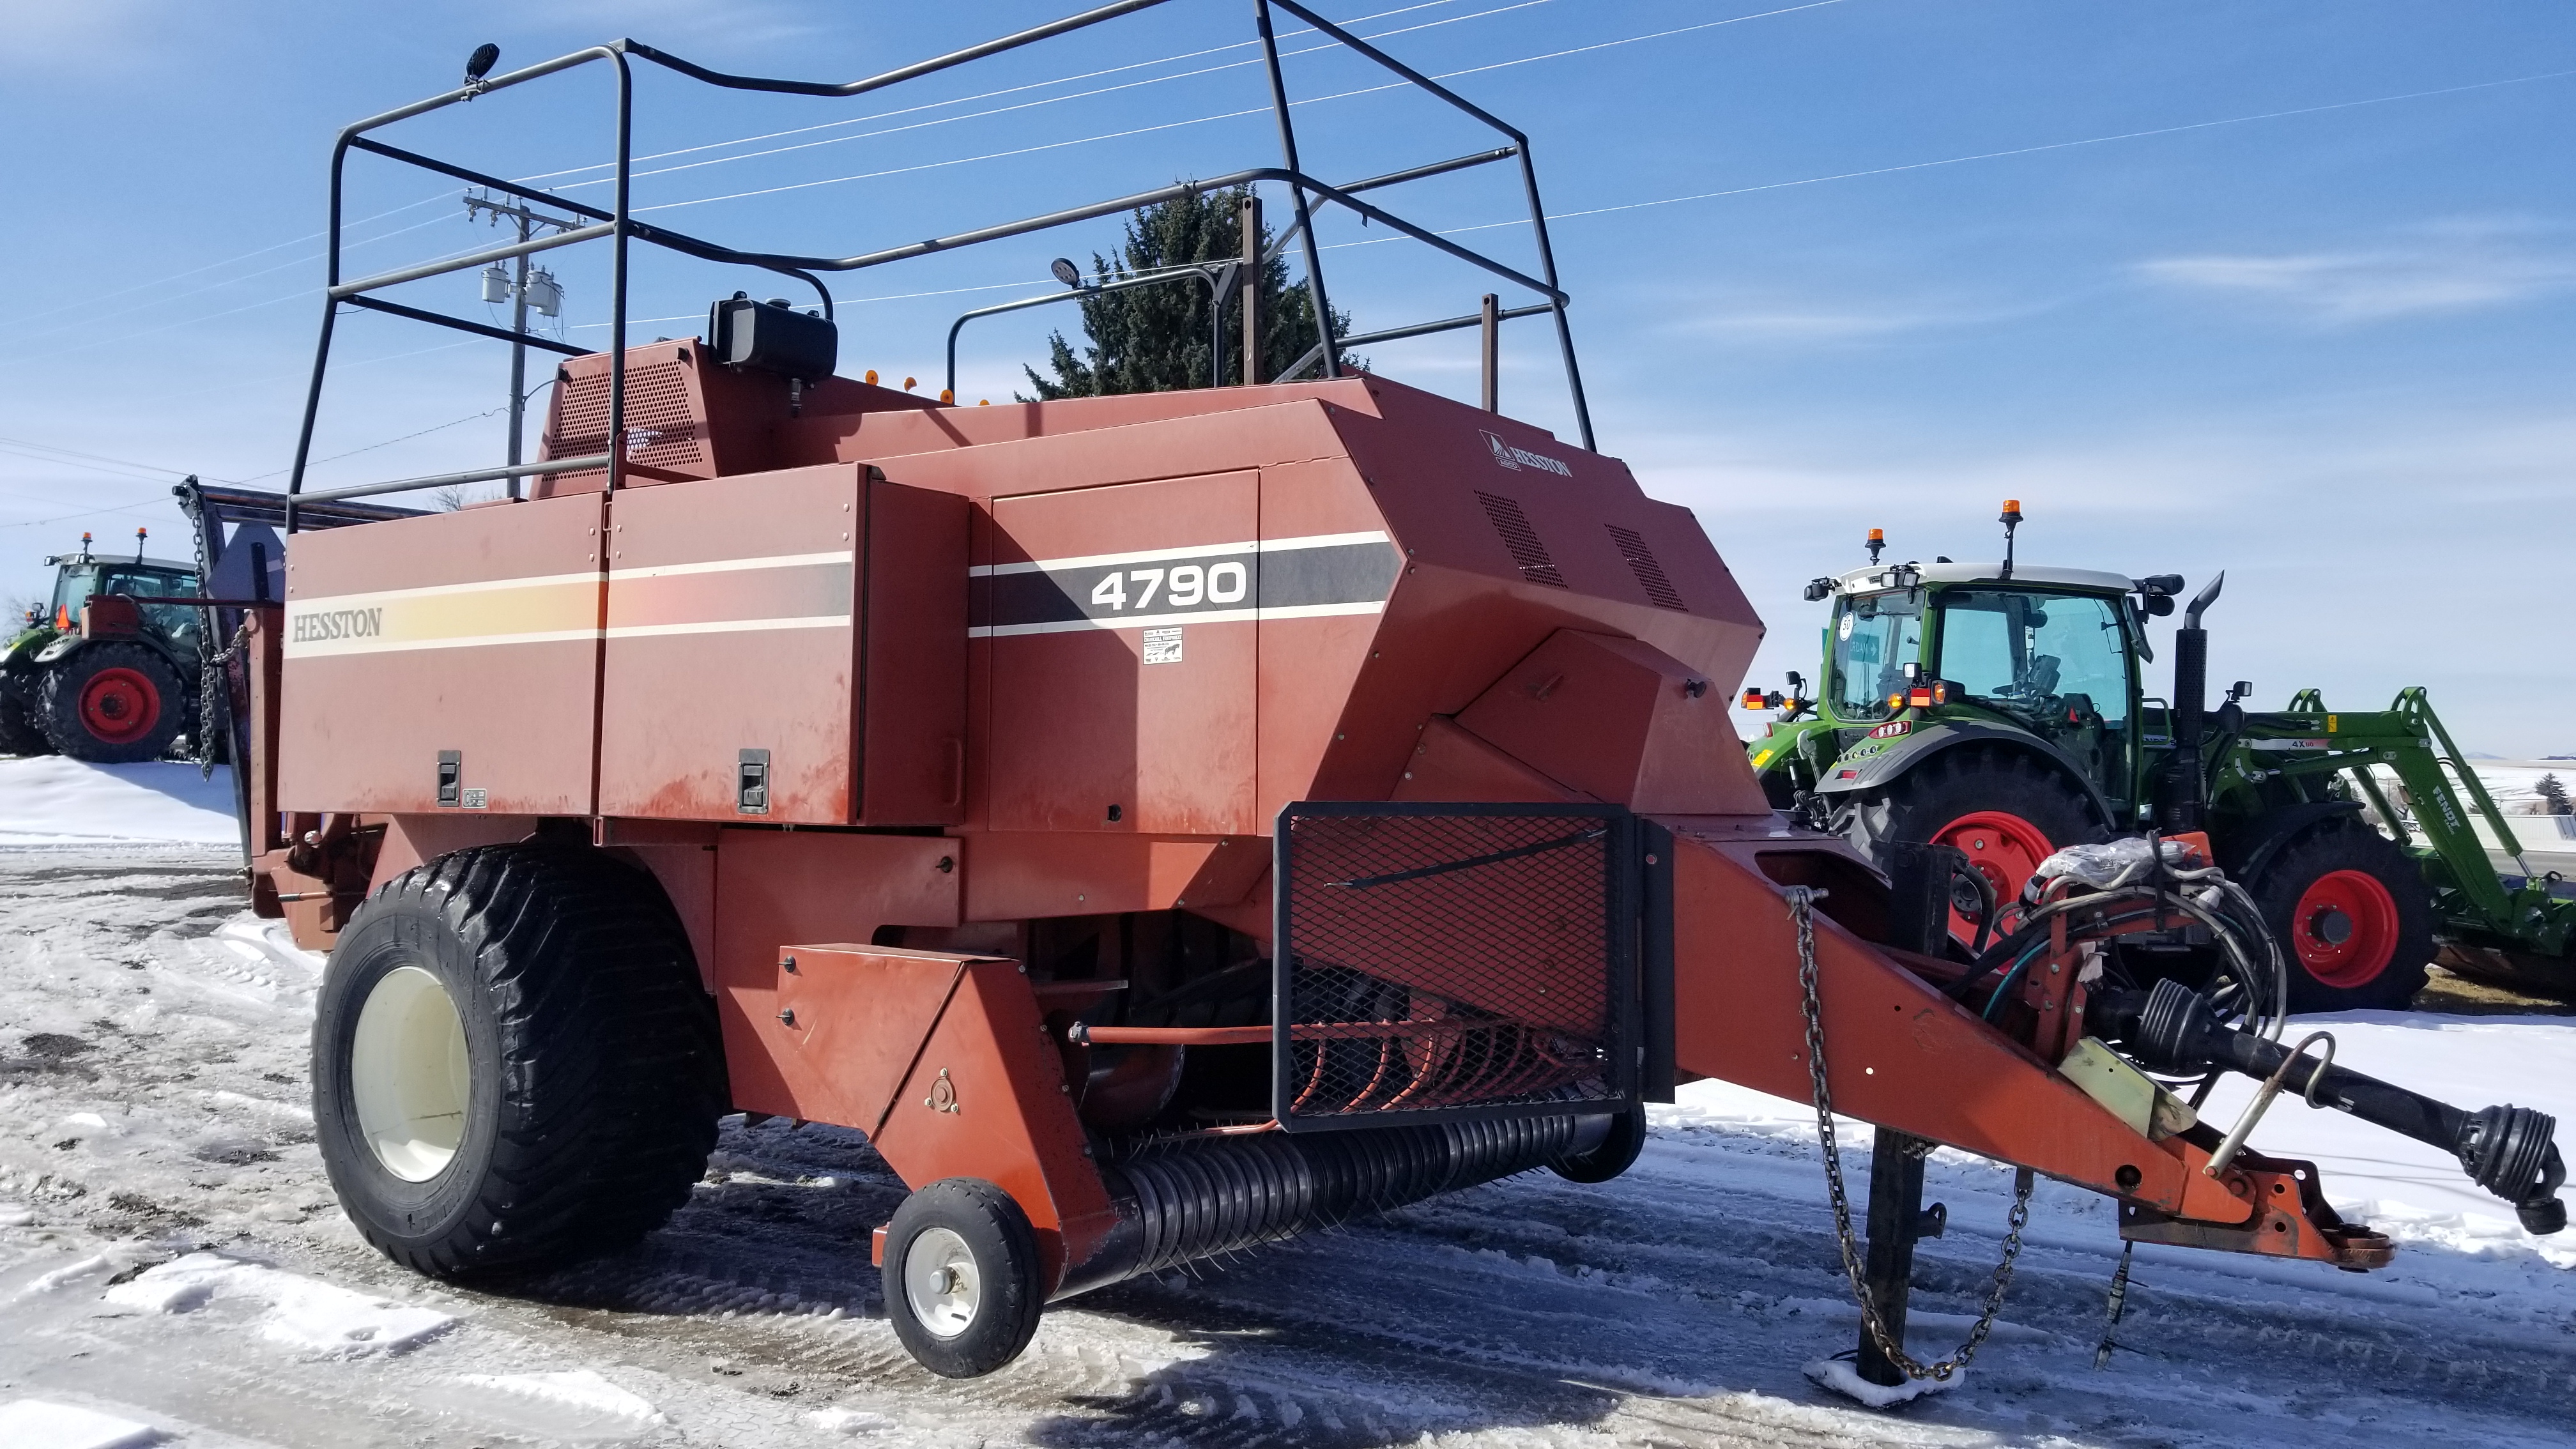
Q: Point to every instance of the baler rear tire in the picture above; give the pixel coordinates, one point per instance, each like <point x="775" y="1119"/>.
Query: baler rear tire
<point x="2345" y="866"/>
<point x="113" y="704"/>
<point x="583" y="1065"/>
<point x="962" y="1328"/>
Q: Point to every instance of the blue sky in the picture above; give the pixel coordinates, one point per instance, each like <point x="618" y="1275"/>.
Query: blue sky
<point x="2279" y="288"/>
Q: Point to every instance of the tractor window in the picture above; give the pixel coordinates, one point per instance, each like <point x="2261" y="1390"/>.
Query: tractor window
<point x="70" y="587"/>
<point x="1874" y="637"/>
<point x="2038" y="655"/>
<point x="176" y="620"/>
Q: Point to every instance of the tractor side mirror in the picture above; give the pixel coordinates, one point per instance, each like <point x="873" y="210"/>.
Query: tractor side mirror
<point x="2158" y="605"/>
<point x="2239" y="690"/>
<point x="1819" y="590"/>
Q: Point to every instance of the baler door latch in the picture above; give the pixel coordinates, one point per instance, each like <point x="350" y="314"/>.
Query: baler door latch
<point x="451" y="776"/>
<point x="752" y="777"/>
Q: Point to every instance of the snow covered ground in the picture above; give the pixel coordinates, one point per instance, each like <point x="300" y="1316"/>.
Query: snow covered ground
<point x="173" y="1269"/>
<point x="48" y="800"/>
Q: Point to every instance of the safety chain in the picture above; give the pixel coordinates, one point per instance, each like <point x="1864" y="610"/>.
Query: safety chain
<point x="208" y="660"/>
<point x="1802" y="910"/>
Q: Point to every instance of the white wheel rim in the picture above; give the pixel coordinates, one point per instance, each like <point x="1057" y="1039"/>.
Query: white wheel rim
<point x="410" y="1073"/>
<point x="941" y="1283"/>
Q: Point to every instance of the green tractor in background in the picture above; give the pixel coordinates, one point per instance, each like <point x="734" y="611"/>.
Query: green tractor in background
<point x="108" y="672"/>
<point x="2002" y="710"/>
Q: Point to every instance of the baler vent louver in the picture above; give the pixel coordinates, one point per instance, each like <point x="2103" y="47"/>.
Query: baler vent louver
<point x="658" y="418"/>
<point x="1641" y="562"/>
<point x="1523" y="541"/>
<point x="1446" y="960"/>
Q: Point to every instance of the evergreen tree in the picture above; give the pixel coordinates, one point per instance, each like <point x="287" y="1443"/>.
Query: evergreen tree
<point x="1155" y="339"/>
<point x="2553" y="796"/>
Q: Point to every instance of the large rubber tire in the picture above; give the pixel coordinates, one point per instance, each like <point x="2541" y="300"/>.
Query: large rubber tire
<point x="514" y="1064"/>
<point x="19" y="734"/>
<point x="961" y="1277"/>
<point x="2353" y="915"/>
<point x="2003" y="809"/>
<point x="113" y="704"/>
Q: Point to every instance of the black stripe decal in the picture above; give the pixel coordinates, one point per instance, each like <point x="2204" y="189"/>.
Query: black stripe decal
<point x="1176" y="589"/>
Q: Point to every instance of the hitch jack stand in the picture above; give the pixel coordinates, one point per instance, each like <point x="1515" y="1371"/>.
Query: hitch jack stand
<point x="1896" y="1220"/>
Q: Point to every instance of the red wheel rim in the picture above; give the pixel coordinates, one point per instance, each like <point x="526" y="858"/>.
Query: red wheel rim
<point x="2345" y="928"/>
<point x="2005" y="849"/>
<point x="119" y="706"/>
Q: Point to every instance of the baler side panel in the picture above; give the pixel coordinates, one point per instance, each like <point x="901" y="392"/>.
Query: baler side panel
<point x="1094" y="725"/>
<point x="732" y="626"/>
<point x="475" y="631"/>
<point x="912" y="752"/>
<point x="1018" y="875"/>
<point x="1321" y="610"/>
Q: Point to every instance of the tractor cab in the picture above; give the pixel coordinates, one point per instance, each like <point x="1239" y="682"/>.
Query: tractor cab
<point x="1920" y="653"/>
<point x="79" y="577"/>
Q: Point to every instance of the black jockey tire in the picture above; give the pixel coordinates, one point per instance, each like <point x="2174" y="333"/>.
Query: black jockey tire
<point x="2339" y="844"/>
<point x="1609" y="1157"/>
<point x="593" y="1070"/>
<point x="1960" y="782"/>
<point x="59" y="704"/>
<point x="18" y="732"/>
<point x="995" y="1234"/>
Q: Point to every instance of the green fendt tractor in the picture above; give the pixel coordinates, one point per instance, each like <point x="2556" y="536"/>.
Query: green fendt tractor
<point x="102" y="673"/>
<point x="2002" y="710"/>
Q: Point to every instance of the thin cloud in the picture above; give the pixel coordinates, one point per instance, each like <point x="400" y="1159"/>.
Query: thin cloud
<point x="2451" y="268"/>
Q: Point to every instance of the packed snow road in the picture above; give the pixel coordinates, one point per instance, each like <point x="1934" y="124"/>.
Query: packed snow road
<point x="171" y="1262"/>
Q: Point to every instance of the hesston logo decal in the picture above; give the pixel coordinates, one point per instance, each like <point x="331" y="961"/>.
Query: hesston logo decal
<point x="325" y="624"/>
<point x="1518" y="458"/>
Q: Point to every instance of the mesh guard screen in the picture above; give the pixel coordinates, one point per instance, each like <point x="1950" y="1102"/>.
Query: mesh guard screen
<point x="1453" y="960"/>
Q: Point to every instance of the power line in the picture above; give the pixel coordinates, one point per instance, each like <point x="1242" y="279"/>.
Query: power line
<point x="1984" y="156"/>
<point x="91" y="299"/>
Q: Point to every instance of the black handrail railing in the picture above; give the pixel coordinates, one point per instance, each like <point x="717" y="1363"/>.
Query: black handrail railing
<point x="616" y="223"/>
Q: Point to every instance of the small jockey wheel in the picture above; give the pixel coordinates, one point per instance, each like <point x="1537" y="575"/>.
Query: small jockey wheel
<point x="962" y="1277"/>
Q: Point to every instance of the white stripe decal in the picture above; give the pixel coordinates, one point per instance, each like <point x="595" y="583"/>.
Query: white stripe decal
<point x="480" y="586"/>
<point x="465" y="641"/>
<point x="1198" y="550"/>
<point x="729" y="565"/>
<point x="729" y="626"/>
<point x="1202" y="616"/>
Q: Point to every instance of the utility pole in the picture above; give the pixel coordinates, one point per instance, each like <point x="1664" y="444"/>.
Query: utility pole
<point x="1248" y="287"/>
<point x="519" y="291"/>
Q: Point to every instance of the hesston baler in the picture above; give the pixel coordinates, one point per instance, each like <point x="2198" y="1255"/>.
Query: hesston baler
<point x="1160" y="823"/>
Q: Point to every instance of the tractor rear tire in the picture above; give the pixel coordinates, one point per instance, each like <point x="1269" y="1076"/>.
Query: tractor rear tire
<point x="514" y="1065"/>
<point x="113" y="704"/>
<point x="2353" y="916"/>
<point x="18" y="732"/>
<point x="961" y="1277"/>
<point x="2004" y="810"/>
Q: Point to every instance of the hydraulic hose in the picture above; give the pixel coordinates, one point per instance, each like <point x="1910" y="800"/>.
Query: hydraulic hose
<point x="2507" y="1150"/>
